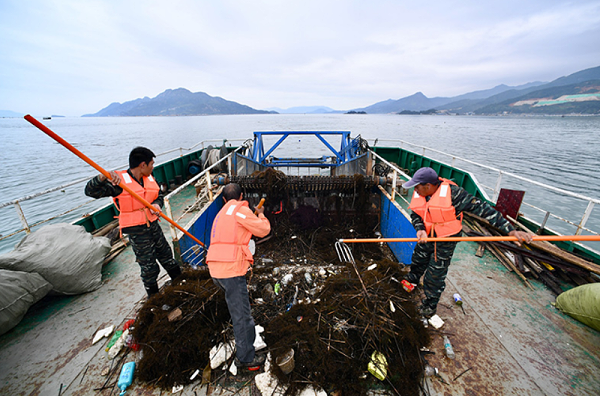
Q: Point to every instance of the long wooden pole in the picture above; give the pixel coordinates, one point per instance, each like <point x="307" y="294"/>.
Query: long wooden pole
<point x="106" y="174"/>
<point x="479" y="239"/>
<point x="260" y="205"/>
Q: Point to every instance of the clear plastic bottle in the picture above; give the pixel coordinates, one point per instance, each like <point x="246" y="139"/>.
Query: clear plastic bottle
<point x="448" y="348"/>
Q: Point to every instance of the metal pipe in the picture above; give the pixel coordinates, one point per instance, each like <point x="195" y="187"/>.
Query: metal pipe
<point x="497" y="188"/>
<point x="22" y="217"/>
<point x="556" y="189"/>
<point x="394" y="181"/>
<point x="586" y="216"/>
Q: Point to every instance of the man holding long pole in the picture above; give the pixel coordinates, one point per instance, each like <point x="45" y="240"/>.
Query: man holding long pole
<point x="136" y="220"/>
<point x="437" y="205"/>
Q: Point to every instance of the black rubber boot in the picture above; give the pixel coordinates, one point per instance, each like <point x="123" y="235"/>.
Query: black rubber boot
<point x="174" y="273"/>
<point x="151" y="289"/>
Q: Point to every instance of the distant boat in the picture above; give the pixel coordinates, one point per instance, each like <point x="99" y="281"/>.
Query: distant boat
<point x="47" y="118"/>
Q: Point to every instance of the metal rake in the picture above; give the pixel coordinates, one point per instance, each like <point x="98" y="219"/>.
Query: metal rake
<point x="194" y="256"/>
<point x="345" y="255"/>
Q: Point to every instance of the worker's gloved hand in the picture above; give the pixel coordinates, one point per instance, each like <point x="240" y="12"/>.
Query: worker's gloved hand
<point x="522" y="236"/>
<point x="422" y="236"/>
<point x="259" y="210"/>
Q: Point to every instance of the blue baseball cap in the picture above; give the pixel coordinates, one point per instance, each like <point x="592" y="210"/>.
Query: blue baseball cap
<point x="422" y="176"/>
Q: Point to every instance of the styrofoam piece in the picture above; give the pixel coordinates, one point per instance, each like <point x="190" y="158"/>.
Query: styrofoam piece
<point x="100" y="334"/>
<point x="233" y="368"/>
<point x="436" y="321"/>
<point x="259" y="343"/>
<point x="221" y="353"/>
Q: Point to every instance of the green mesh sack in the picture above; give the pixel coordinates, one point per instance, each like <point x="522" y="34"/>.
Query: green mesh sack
<point x="582" y="303"/>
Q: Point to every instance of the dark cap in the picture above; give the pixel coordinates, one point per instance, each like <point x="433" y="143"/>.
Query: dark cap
<point x="422" y="176"/>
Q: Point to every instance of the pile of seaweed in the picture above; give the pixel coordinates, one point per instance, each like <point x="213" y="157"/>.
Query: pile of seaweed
<point x="321" y="310"/>
<point x="334" y="315"/>
<point x="173" y="349"/>
<point x="335" y="336"/>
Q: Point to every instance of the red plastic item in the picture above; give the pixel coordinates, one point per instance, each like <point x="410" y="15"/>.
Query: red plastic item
<point x="407" y="285"/>
<point x="128" y="324"/>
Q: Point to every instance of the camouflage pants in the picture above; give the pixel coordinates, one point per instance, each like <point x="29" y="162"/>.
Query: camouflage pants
<point x="424" y="262"/>
<point x="149" y="245"/>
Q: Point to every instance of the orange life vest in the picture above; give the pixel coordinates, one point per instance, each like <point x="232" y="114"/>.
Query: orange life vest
<point x="438" y="214"/>
<point x="131" y="211"/>
<point x="224" y="246"/>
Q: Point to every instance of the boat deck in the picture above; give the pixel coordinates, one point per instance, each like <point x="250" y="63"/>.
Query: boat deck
<point x="509" y="341"/>
<point x="510" y="338"/>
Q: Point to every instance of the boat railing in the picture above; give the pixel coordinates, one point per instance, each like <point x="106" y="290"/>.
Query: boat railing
<point x="204" y="174"/>
<point x="580" y="225"/>
<point x="27" y="226"/>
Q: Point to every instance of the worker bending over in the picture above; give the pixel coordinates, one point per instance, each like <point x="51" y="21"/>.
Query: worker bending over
<point x="437" y="205"/>
<point x="228" y="260"/>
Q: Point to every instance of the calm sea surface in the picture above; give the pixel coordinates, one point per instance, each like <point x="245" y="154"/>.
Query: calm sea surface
<point x="561" y="151"/>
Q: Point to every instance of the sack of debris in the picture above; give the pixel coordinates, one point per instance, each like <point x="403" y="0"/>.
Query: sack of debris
<point x="67" y="256"/>
<point x="582" y="303"/>
<point x="19" y="291"/>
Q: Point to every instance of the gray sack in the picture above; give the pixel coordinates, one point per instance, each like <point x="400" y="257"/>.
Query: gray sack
<point x="19" y="291"/>
<point x="64" y="254"/>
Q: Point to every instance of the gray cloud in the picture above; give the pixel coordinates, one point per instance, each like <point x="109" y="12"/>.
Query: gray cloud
<point x="72" y="57"/>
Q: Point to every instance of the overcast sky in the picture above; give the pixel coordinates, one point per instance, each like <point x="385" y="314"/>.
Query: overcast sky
<point x="72" y="57"/>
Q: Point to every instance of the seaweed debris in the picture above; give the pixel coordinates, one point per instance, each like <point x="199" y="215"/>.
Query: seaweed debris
<point x="320" y="311"/>
<point x="305" y="299"/>
<point x="173" y="350"/>
<point x="334" y="336"/>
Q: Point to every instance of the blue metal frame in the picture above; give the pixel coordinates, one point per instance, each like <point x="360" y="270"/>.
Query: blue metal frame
<point x="348" y="149"/>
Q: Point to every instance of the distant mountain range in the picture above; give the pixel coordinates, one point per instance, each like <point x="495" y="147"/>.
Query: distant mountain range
<point x="176" y="102"/>
<point x="576" y="93"/>
<point x="10" y="114"/>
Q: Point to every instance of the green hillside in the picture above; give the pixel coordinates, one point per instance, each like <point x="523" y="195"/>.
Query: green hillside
<point x="579" y="98"/>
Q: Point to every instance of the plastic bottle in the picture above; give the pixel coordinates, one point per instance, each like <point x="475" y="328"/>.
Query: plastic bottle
<point x="448" y="348"/>
<point x="126" y="377"/>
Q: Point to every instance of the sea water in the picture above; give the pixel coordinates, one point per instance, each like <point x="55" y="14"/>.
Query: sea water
<point x="559" y="151"/>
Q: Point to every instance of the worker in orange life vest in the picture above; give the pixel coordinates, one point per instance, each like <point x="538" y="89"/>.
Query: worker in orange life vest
<point x="229" y="259"/>
<point x="437" y="206"/>
<point x="138" y="222"/>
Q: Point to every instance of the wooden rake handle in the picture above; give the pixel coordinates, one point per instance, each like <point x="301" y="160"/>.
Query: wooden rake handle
<point x="260" y="205"/>
<point x="479" y="239"/>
